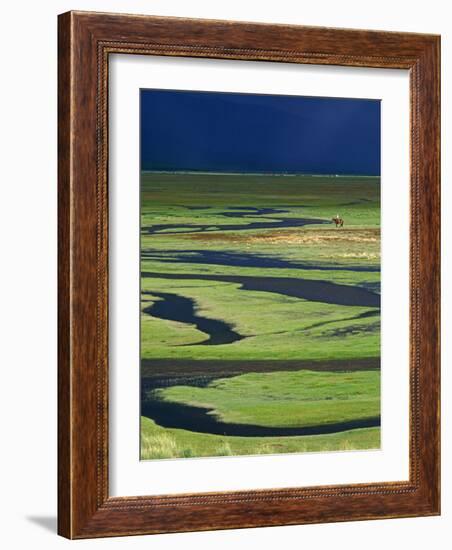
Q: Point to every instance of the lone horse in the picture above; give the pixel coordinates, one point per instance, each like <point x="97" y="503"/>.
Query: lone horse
<point x="338" y="221"/>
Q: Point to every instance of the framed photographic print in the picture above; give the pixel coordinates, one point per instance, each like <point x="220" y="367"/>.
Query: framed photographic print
<point x="248" y="275"/>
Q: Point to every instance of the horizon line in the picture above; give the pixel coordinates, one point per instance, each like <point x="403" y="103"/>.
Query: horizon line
<point x="260" y="173"/>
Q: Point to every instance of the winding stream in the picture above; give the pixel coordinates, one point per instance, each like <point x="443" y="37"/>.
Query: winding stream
<point x="174" y="307"/>
<point x="198" y="419"/>
<point x="313" y="290"/>
<point x="278" y="223"/>
<point x="242" y="259"/>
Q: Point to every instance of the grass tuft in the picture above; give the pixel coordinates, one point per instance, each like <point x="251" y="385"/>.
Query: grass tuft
<point x="160" y="445"/>
<point x="224" y="449"/>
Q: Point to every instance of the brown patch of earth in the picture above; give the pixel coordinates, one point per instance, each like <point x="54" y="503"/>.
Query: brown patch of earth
<point x="297" y="237"/>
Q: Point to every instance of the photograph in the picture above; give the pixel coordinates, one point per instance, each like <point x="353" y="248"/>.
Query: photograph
<point x="224" y="235"/>
<point x="260" y="274"/>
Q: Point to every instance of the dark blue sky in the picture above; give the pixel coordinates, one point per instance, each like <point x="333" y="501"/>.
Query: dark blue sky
<point x="231" y="132"/>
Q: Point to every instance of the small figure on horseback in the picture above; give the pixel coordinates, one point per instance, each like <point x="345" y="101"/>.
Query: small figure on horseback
<point x="338" y="221"/>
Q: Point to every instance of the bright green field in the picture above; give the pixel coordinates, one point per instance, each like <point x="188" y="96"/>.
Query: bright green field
<point x="274" y="326"/>
<point x="157" y="442"/>
<point x="302" y="398"/>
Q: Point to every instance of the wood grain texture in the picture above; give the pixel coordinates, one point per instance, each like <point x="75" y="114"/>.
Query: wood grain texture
<point x="85" y="42"/>
<point x="64" y="295"/>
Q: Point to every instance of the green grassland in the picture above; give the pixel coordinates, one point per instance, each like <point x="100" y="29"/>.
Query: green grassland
<point x="277" y="327"/>
<point x="161" y="443"/>
<point x="302" y="398"/>
<point x="274" y="326"/>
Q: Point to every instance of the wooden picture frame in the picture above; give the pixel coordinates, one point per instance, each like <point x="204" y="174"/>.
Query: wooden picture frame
<point x="86" y="40"/>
